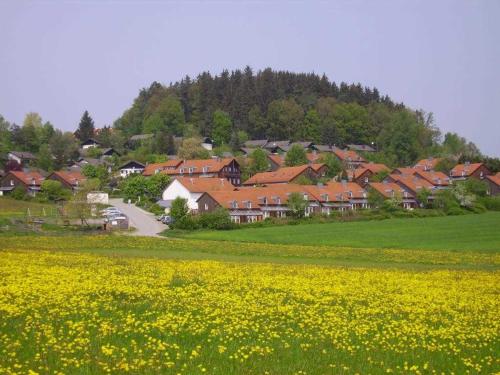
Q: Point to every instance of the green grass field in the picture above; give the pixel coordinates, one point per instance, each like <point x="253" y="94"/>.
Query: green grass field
<point x="15" y="208"/>
<point x="467" y="232"/>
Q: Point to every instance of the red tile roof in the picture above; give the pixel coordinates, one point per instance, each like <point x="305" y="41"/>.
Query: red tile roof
<point x="201" y="185"/>
<point x="495" y="178"/>
<point x="316" y="167"/>
<point x="389" y="189"/>
<point x="435" y="178"/>
<point x="336" y="191"/>
<point x="71" y="177"/>
<point x="428" y="164"/>
<point x="153" y="168"/>
<point x="277" y="159"/>
<point x="28" y="177"/>
<point x="372" y="167"/>
<point x="465" y="170"/>
<point x="413" y="183"/>
<point x="282" y="175"/>
<point x="348" y="155"/>
<point x="409" y="171"/>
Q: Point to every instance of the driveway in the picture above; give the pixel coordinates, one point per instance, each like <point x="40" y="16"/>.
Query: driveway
<point x="144" y="222"/>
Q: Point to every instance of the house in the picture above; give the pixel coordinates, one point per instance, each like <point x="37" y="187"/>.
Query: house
<point x="154" y="168"/>
<point x="412" y="184"/>
<point x="493" y="182"/>
<point x="30" y="182"/>
<point x="68" y="179"/>
<point x="21" y="157"/>
<point x="306" y="145"/>
<point x="81" y="162"/>
<point x="227" y="168"/>
<point x="320" y="169"/>
<point x="438" y="179"/>
<point x="277" y="146"/>
<point x="339" y="196"/>
<point x="276" y="161"/>
<point x="257" y="143"/>
<point x="404" y="170"/>
<point x="361" y="148"/>
<point x="389" y="190"/>
<point x="109" y="152"/>
<point x="255" y="204"/>
<point x="469" y="170"/>
<point x="363" y="174"/>
<point x="89" y="143"/>
<point x="191" y="189"/>
<point x="207" y="143"/>
<point x="131" y="167"/>
<point x="428" y="164"/>
<point x="284" y="175"/>
<point x="325" y="148"/>
<point x="350" y="158"/>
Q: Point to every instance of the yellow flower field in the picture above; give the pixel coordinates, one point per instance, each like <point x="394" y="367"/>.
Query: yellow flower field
<point x="76" y="313"/>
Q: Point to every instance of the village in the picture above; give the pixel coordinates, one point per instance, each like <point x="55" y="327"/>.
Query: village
<point x="215" y="183"/>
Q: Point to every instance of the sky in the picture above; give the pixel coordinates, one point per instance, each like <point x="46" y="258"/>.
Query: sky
<point x="60" y="58"/>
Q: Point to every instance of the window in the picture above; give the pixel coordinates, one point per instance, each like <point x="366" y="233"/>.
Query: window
<point x="366" y="180"/>
<point x="249" y="204"/>
<point x="234" y="204"/>
<point x="206" y="207"/>
<point x="181" y="170"/>
<point x="11" y="182"/>
<point x="205" y="169"/>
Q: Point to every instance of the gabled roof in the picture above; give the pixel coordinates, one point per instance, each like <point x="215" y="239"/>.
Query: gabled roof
<point x="110" y="150"/>
<point x="317" y="166"/>
<point x="404" y="170"/>
<point x="132" y="163"/>
<point x="413" y="183"/>
<point x="325" y="148"/>
<point x="495" y="178"/>
<point x="372" y="167"/>
<point x="201" y="185"/>
<point x="348" y="155"/>
<point x="256" y="143"/>
<point x="281" y="175"/>
<point x="214" y="165"/>
<point x="435" y="178"/>
<point x="428" y="164"/>
<point x="465" y="170"/>
<point x="337" y="191"/>
<point x="277" y="159"/>
<point x="258" y="196"/>
<point x="70" y="177"/>
<point x="153" y="168"/>
<point x="273" y="144"/>
<point x="23" y="155"/>
<point x="90" y="141"/>
<point x="389" y="189"/>
<point x="28" y="178"/>
<point x="364" y="148"/>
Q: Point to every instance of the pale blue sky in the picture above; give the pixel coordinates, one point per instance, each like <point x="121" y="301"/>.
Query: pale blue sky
<point x="59" y="58"/>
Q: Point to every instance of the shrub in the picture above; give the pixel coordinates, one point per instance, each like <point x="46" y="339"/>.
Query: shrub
<point x="187" y="222"/>
<point x="491" y="203"/>
<point x="455" y="211"/>
<point x="218" y="219"/>
<point x="19" y="194"/>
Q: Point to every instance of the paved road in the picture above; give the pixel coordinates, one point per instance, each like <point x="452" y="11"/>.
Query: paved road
<point x="144" y="222"/>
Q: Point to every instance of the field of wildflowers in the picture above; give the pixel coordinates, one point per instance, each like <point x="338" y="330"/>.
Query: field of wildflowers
<point x="72" y="312"/>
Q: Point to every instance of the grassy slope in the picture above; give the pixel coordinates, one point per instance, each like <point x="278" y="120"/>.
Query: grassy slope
<point x="468" y="232"/>
<point x="11" y="207"/>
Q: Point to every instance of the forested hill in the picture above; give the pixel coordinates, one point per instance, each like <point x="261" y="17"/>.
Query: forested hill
<point x="279" y="105"/>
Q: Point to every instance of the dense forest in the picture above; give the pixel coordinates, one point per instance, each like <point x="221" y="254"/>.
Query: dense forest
<point x="279" y="105"/>
<point x="233" y="107"/>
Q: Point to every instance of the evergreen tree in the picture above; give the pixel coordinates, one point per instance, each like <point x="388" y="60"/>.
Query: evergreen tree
<point x="85" y="128"/>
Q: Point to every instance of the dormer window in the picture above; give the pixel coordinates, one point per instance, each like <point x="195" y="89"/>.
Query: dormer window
<point x="350" y="194"/>
<point x="181" y="170"/>
<point x="325" y="197"/>
<point x="249" y="204"/>
<point x="306" y="197"/>
<point x="463" y="173"/>
<point x="191" y="170"/>
<point x="234" y="204"/>
<point x="205" y="169"/>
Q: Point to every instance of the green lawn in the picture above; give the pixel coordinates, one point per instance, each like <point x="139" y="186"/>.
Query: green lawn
<point x="15" y="208"/>
<point x="468" y="232"/>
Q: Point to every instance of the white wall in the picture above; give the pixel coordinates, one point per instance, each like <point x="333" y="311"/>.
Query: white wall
<point x="128" y="171"/>
<point x="176" y="189"/>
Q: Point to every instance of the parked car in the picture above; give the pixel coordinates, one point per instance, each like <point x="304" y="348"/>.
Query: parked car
<point x="167" y="220"/>
<point x="160" y="217"/>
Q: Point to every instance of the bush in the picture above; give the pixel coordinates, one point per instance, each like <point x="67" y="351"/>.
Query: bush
<point x="19" y="194"/>
<point x="187" y="222"/>
<point x="452" y="211"/>
<point x="218" y="219"/>
<point x="478" y="208"/>
<point x="491" y="203"/>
